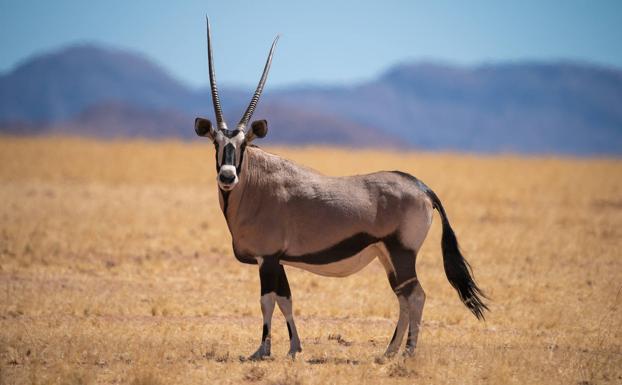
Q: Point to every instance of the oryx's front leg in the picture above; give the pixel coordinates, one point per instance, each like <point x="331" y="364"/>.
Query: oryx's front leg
<point x="284" y="299"/>
<point x="275" y="288"/>
<point x="269" y="279"/>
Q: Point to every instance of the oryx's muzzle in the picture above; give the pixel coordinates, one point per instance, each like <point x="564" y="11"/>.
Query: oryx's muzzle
<point x="229" y="157"/>
<point x="227" y="177"/>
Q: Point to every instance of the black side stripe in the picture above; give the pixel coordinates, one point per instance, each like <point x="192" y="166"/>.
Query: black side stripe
<point x="342" y="250"/>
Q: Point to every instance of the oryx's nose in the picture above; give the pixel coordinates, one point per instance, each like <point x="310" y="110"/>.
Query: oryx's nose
<point x="226" y="177"/>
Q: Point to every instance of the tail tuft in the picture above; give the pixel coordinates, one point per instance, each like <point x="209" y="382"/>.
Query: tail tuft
<point x="457" y="268"/>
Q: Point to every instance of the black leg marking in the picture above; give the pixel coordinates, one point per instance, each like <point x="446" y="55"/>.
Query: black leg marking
<point x="394" y="335"/>
<point x="265" y="332"/>
<point x="273" y="278"/>
<point x="274" y="281"/>
<point x="274" y="287"/>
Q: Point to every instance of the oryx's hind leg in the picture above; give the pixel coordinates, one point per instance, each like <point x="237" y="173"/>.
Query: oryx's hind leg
<point x="275" y="289"/>
<point x="416" y="301"/>
<point x="399" y="263"/>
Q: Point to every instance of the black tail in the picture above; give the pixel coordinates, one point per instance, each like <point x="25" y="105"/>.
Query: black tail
<point x="457" y="269"/>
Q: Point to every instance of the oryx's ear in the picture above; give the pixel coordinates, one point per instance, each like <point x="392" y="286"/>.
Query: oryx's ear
<point x="259" y="129"/>
<point x="203" y="127"/>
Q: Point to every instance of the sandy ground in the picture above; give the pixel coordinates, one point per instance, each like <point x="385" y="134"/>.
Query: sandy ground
<point x="116" y="268"/>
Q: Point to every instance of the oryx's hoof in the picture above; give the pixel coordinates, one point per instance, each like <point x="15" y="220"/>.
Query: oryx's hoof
<point x="380" y="360"/>
<point x="258" y="357"/>
<point x="409" y="352"/>
<point x="292" y="352"/>
<point x="390" y="353"/>
<point x="261" y="354"/>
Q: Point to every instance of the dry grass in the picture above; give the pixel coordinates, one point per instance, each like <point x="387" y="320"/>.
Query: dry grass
<point x="115" y="267"/>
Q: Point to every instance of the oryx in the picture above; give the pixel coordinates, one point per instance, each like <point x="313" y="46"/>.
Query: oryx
<point x="280" y="213"/>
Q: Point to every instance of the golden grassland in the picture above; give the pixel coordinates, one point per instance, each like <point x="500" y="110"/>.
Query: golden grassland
<point x="116" y="268"/>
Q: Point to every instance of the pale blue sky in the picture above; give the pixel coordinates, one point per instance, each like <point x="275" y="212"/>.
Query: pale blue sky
<point x="322" y="41"/>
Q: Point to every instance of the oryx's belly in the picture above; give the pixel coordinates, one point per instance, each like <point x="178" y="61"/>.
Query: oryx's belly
<point x="340" y="267"/>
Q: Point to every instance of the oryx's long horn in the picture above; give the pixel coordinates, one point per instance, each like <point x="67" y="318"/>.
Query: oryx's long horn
<point x="262" y="82"/>
<point x="220" y="121"/>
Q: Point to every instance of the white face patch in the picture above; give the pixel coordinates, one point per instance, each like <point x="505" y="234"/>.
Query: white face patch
<point x="229" y="147"/>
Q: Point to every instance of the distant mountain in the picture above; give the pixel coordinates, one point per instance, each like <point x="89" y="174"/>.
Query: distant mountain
<point x="116" y="119"/>
<point x="519" y="107"/>
<point x="287" y="125"/>
<point x="59" y="85"/>
<point x="522" y="107"/>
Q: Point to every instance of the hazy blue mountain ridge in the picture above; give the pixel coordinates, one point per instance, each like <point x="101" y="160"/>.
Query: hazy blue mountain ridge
<point x="527" y="107"/>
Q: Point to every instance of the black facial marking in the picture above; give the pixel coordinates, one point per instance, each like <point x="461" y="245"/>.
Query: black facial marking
<point x="238" y="169"/>
<point x="265" y="332"/>
<point x="228" y="156"/>
<point x="230" y="133"/>
<point x="217" y="165"/>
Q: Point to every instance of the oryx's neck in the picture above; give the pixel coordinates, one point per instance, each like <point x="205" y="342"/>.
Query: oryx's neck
<point x="254" y="176"/>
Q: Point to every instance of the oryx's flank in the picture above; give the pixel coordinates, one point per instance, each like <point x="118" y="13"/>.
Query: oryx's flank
<point x="280" y="213"/>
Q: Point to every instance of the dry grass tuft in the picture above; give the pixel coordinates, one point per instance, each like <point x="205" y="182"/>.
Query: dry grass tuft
<point x="340" y="340"/>
<point x="399" y="369"/>
<point x="287" y="379"/>
<point x="75" y="376"/>
<point x="146" y="377"/>
<point x="254" y="374"/>
<point x="116" y="268"/>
